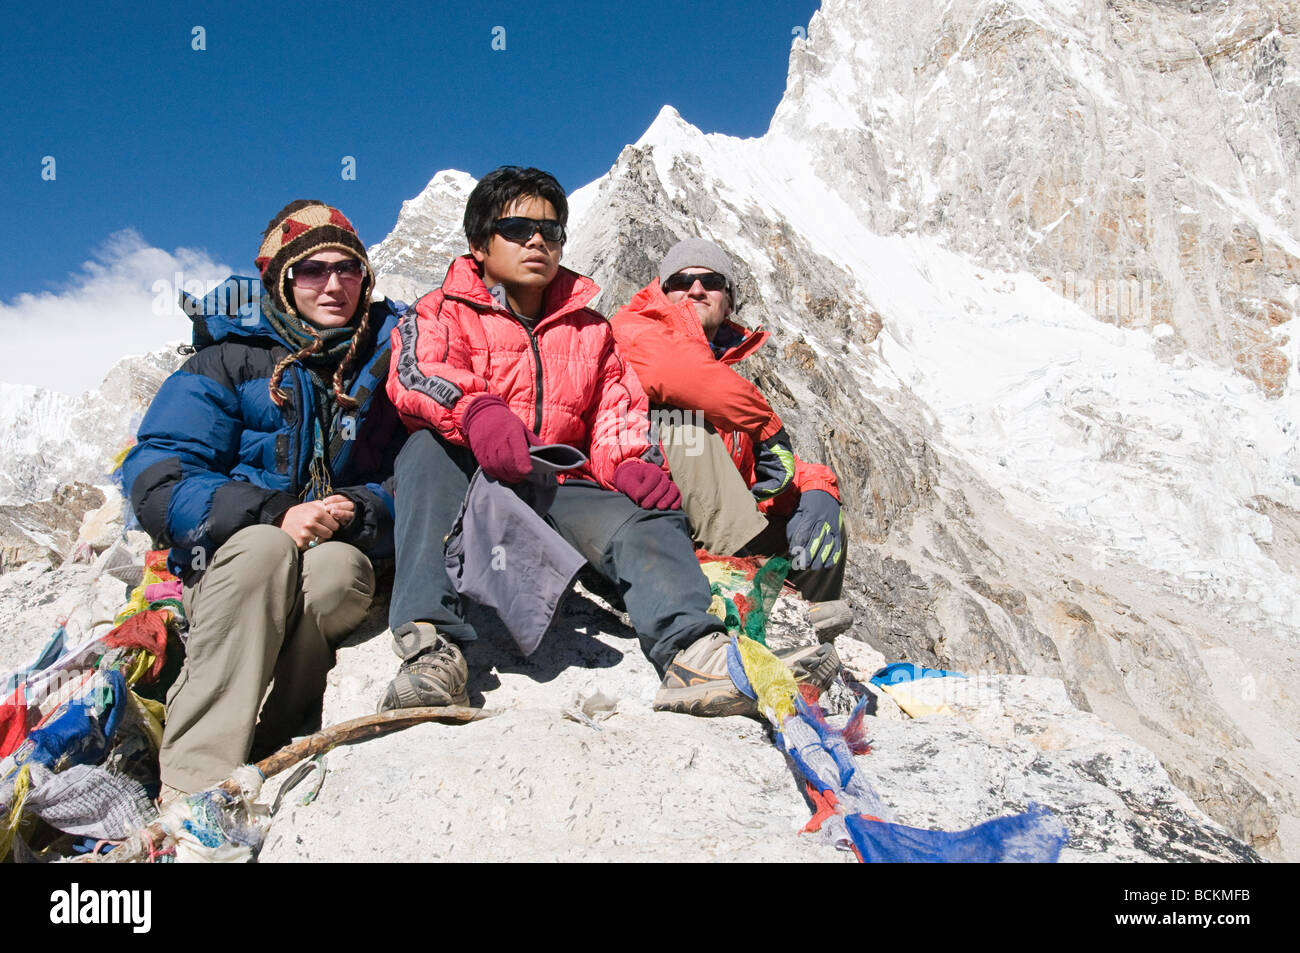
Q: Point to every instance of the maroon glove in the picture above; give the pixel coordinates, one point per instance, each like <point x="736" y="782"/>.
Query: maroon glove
<point x="498" y="439"/>
<point x="647" y="486"/>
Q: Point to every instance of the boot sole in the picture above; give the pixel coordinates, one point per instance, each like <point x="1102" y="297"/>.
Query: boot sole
<point x="715" y="702"/>
<point x="404" y="691"/>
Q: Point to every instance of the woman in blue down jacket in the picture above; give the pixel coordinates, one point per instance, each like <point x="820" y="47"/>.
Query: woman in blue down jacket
<point x="262" y="462"/>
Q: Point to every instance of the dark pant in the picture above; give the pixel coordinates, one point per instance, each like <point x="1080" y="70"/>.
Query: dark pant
<point x="646" y="554"/>
<point x="815" y="585"/>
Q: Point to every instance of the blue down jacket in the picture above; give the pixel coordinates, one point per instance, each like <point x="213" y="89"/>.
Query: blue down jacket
<point x="214" y="454"/>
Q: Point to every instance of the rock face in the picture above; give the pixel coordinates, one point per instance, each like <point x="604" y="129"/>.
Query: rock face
<point x="48" y="529"/>
<point x="413" y="259"/>
<point x="1140" y="156"/>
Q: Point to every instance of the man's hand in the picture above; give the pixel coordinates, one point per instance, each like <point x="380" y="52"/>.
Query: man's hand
<point x="773" y="466"/>
<point x="816" y="531"/>
<point x="647" y="486"/>
<point x="498" y="439"/>
<point x="309" y="523"/>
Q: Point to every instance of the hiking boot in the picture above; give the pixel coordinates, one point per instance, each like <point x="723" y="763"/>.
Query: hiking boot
<point x="830" y="619"/>
<point x="435" y="677"/>
<point x="815" y="665"/>
<point x="697" y="682"/>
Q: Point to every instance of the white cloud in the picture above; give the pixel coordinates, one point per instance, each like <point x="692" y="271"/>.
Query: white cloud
<point x="122" y="302"/>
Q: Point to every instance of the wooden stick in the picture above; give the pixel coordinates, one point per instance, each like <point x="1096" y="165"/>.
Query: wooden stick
<point x="350" y="732"/>
<point x="345" y="732"/>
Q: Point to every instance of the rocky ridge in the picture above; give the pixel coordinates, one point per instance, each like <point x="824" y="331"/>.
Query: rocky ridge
<point x="53" y="439"/>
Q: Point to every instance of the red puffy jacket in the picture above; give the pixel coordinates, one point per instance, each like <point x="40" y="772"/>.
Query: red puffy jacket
<point x="674" y="362"/>
<point x="562" y="378"/>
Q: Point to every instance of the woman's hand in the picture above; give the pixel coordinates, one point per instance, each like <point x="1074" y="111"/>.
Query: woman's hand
<point x="310" y="523"/>
<point x="341" y="508"/>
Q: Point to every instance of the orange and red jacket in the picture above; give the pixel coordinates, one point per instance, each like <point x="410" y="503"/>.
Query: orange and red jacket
<point x="562" y="377"/>
<point x="666" y="345"/>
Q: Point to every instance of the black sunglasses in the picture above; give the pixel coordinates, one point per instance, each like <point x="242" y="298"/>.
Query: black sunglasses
<point x="518" y="229"/>
<point x="709" y="280"/>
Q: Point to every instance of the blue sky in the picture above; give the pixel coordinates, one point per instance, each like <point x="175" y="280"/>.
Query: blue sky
<point x="197" y="149"/>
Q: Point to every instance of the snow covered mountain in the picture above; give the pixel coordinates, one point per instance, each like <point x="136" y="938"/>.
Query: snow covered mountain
<point x="1073" y="450"/>
<point x="52" y="439"/>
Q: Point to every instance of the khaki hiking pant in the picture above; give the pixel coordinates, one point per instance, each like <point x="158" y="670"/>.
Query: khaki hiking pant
<point x="721" y="510"/>
<point x="262" y="614"/>
<point x="723" y="514"/>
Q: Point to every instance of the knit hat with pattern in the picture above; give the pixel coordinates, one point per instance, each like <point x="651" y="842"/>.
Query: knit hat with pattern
<point x="298" y="231"/>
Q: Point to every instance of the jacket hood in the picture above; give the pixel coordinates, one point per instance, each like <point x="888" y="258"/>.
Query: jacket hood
<point x="231" y="309"/>
<point x="567" y="292"/>
<point x="651" y="302"/>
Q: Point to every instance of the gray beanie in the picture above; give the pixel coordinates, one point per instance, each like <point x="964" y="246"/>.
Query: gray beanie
<point x="696" y="253"/>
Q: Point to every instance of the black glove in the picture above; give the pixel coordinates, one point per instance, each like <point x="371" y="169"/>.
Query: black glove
<point x="773" y="466"/>
<point x="816" y="531"/>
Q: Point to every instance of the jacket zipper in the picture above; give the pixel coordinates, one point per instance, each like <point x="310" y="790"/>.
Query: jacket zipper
<point x="537" y="363"/>
<point x="537" y="358"/>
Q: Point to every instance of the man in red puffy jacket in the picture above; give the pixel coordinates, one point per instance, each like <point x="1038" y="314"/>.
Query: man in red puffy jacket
<point x="504" y="356"/>
<point x="743" y="488"/>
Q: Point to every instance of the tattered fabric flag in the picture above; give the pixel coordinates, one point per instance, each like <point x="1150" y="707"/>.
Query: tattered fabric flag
<point x="848" y="810"/>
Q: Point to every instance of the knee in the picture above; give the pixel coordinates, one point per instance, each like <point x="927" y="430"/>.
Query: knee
<point x="260" y="555"/>
<point x="652" y="538"/>
<point x="693" y="445"/>
<point x="338" y="586"/>
<point x="430" y="481"/>
<point x="644" y="525"/>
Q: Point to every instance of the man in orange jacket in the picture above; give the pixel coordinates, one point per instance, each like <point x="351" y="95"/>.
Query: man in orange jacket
<point x="742" y="486"/>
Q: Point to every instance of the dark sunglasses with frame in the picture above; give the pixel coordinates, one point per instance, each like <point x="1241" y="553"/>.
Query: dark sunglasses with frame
<point x="681" y="281"/>
<point x="516" y="228"/>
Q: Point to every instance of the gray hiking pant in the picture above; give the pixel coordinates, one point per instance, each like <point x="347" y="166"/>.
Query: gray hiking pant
<point x="646" y="554"/>
<point x="262" y="614"/>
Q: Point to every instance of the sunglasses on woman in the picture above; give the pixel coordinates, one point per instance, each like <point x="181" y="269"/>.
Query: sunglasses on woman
<point x="519" y="229"/>
<point x="709" y="280"/>
<point x="316" y="274"/>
